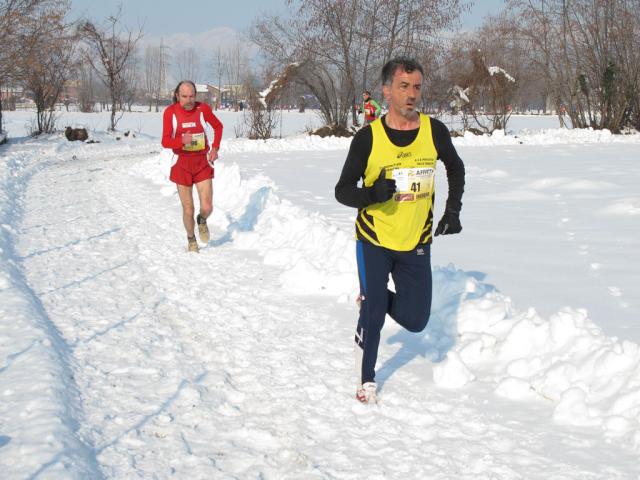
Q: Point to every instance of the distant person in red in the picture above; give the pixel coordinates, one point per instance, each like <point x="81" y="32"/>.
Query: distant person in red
<point x="370" y="108"/>
<point x="183" y="130"/>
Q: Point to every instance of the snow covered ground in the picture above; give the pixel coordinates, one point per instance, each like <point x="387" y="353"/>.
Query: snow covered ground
<point x="122" y="356"/>
<point x="141" y="121"/>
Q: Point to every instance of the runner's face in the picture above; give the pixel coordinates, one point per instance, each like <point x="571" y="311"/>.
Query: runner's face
<point x="403" y="94"/>
<point x="186" y="96"/>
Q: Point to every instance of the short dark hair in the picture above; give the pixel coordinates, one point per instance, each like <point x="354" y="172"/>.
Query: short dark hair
<point x="367" y="92"/>
<point x="406" y="64"/>
<point x="180" y="83"/>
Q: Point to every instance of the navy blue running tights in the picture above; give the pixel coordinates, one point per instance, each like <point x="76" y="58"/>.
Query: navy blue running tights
<point x="410" y="305"/>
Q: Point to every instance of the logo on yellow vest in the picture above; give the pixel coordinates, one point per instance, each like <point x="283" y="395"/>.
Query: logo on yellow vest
<point x="404" y="197"/>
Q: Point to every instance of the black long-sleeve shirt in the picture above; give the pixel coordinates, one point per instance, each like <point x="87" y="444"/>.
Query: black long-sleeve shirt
<point x="347" y="191"/>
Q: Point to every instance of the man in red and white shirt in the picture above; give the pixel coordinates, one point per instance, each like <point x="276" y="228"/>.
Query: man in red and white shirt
<point x="183" y="130"/>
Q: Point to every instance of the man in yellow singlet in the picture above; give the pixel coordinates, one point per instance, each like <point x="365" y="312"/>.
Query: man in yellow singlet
<point x="395" y="158"/>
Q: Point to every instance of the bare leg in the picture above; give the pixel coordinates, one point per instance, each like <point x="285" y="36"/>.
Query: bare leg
<point x="205" y="195"/>
<point x="186" y="198"/>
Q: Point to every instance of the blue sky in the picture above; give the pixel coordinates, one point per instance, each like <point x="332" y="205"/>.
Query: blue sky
<point x="163" y="17"/>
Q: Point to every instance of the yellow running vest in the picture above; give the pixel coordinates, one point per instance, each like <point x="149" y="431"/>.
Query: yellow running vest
<point x="404" y="221"/>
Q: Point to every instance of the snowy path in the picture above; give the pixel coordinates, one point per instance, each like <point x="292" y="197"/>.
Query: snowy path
<point x="202" y="366"/>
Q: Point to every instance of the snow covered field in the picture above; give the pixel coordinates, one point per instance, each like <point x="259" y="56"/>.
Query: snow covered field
<point x="122" y="356"/>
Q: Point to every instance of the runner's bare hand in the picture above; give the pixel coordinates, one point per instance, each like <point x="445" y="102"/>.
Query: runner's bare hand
<point x="212" y="155"/>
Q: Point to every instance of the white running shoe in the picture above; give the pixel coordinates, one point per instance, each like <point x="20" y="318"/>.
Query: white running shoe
<point x="367" y="393"/>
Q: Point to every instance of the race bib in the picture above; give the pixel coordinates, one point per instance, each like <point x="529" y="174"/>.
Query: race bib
<point x="197" y="143"/>
<point x="413" y="183"/>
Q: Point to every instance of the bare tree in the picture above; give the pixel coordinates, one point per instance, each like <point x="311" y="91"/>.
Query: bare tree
<point x="109" y="53"/>
<point x="219" y="69"/>
<point x="589" y="55"/>
<point x="86" y="89"/>
<point x="483" y="94"/>
<point x="18" y="35"/>
<point x="339" y="44"/>
<point x="237" y="63"/>
<point x="154" y="73"/>
<point x="150" y="73"/>
<point x="260" y="117"/>
<point x="502" y="44"/>
<point x="130" y="79"/>
<point x="187" y="64"/>
<point x="49" y="64"/>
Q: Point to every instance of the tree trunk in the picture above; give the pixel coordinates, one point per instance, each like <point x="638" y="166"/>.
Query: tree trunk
<point x="1" y="112"/>
<point x="113" y="114"/>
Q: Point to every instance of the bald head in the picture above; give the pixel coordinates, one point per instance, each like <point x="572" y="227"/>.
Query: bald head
<point x="185" y="94"/>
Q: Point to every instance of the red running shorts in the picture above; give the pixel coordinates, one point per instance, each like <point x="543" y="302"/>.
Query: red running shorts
<point x="190" y="169"/>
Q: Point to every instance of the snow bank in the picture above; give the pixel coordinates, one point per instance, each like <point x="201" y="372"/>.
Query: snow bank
<point x="298" y="142"/>
<point x="524" y="137"/>
<point x="474" y="333"/>
<point x="587" y="377"/>
<point x="316" y="257"/>
<point x="544" y="137"/>
<point x="39" y="396"/>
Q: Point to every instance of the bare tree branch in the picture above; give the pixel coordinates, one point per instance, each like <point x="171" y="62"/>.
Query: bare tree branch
<point x="109" y="52"/>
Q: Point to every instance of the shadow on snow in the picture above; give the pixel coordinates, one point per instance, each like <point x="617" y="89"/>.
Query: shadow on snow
<point x="248" y="219"/>
<point x="450" y="290"/>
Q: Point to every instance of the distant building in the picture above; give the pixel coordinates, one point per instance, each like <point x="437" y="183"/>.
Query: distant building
<point x="13" y="97"/>
<point x="9" y="93"/>
<point x="208" y="94"/>
<point x="232" y="95"/>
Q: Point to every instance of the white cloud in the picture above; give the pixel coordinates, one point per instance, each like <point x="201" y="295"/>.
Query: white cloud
<point x="223" y="37"/>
